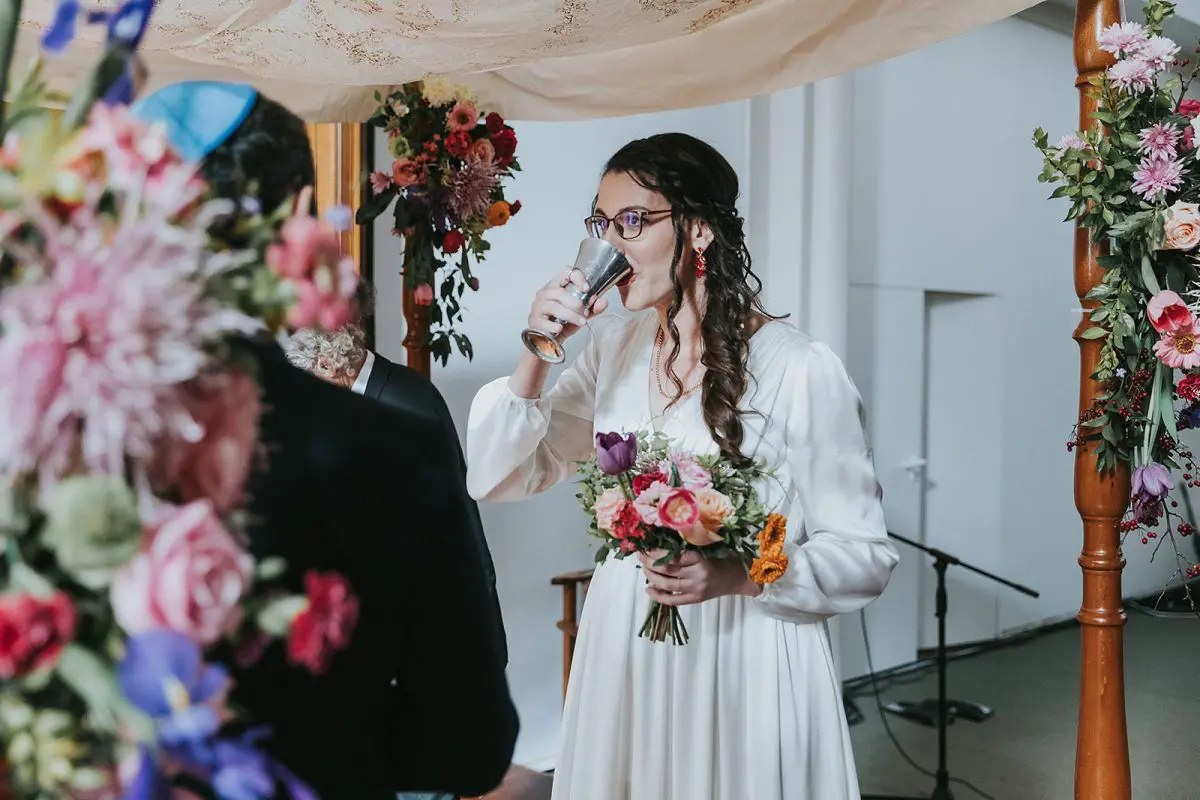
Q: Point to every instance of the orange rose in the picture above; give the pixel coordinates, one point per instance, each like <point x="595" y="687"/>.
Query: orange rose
<point x="405" y="172"/>
<point x="498" y="214"/>
<point x="715" y="509"/>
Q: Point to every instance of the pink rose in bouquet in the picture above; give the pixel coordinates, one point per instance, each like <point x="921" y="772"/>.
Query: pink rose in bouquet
<point x="1168" y="313"/>
<point x="691" y="474"/>
<point x="606" y="507"/>
<point x="189" y="577"/>
<point x="216" y="466"/>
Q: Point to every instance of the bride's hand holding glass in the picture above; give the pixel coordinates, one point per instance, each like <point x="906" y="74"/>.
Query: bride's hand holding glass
<point x="557" y="309"/>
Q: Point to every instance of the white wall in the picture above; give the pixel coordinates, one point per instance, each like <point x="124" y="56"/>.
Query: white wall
<point x="946" y="200"/>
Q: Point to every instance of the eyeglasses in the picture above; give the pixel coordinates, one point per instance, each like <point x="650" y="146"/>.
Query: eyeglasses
<point x="628" y="223"/>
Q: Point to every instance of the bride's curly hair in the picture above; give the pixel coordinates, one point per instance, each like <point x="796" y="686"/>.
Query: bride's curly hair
<point x="700" y="185"/>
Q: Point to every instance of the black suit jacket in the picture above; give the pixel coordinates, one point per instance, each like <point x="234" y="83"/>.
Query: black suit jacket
<point x="404" y="388"/>
<point x="380" y="497"/>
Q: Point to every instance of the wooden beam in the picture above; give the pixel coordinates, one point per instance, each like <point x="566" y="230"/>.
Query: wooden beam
<point x="1102" y="750"/>
<point x="343" y="156"/>
<point x="340" y="165"/>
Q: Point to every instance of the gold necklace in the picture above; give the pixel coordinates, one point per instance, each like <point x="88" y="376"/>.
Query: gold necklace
<point x="660" y="341"/>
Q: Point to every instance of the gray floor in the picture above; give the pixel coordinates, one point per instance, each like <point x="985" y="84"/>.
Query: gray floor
<point x="1027" y="750"/>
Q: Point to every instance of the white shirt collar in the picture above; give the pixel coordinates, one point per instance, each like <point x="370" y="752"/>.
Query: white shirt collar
<point x="364" y="375"/>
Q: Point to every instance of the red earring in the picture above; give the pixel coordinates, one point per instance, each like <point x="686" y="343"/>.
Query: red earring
<point x="701" y="262"/>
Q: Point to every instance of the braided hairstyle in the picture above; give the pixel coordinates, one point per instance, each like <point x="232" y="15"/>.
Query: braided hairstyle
<point x="701" y="186"/>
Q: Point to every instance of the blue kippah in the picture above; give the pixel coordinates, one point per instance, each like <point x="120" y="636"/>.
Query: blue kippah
<point x="199" y="115"/>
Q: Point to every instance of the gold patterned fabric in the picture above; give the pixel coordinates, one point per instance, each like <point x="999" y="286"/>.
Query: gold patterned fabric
<point x="531" y="59"/>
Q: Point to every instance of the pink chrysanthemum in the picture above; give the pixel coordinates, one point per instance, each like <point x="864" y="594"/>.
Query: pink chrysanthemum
<point x="380" y="181"/>
<point x="93" y="350"/>
<point x="1159" y="52"/>
<point x="471" y="189"/>
<point x="1132" y="75"/>
<point x="1155" y="178"/>
<point x="1180" y="349"/>
<point x="1160" y="141"/>
<point x="1123" y="38"/>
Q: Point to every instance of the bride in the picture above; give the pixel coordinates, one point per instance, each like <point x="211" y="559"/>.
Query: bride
<point x="750" y="708"/>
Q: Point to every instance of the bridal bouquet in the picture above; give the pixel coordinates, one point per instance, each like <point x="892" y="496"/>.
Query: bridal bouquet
<point x="1133" y="180"/>
<point x="645" y="495"/>
<point x="128" y="427"/>
<point x="450" y="158"/>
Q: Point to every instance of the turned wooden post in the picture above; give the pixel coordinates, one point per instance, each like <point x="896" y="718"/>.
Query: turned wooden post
<point x="1102" y="751"/>
<point x="416" y="323"/>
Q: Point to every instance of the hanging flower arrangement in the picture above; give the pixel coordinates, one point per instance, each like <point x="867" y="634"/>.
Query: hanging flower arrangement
<point x="1133" y="180"/>
<point x="445" y="190"/>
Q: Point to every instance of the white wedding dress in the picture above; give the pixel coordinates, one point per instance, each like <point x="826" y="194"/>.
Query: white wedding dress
<point x="750" y="708"/>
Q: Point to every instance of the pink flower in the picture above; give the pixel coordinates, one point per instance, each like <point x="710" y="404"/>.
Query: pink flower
<point x="463" y="117"/>
<point x="93" y="352"/>
<point x="1168" y="313"/>
<point x="304" y="243"/>
<point x="423" y="295"/>
<point x="308" y="255"/>
<point x="1181" y="228"/>
<point x="380" y="181"/>
<point x="678" y="511"/>
<point x="606" y="507"/>
<point x="647" y="502"/>
<point x="406" y="172"/>
<point x="1155" y="178"/>
<point x="1178" y="349"/>
<point x="33" y="632"/>
<point x="215" y="468"/>
<point x="1071" y="141"/>
<point x="1189" y="108"/>
<point x="482" y="150"/>
<point x="189" y="577"/>
<point x="1123" y="38"/>
<point x="691" y="474"/>
<point x="1159" y="52"/>
<point x="1159" y="141"/>
<point x="1132" y="75"/>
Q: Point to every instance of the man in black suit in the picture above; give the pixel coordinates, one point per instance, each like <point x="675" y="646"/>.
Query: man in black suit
<point x="419" y="700"/>
<point x="343" y="358"/>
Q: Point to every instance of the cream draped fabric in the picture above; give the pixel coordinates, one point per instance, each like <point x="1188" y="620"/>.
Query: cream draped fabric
<point x="530" y="59"/>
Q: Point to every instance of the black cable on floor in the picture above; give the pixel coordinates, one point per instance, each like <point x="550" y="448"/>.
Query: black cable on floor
<point x="862" y="616"/>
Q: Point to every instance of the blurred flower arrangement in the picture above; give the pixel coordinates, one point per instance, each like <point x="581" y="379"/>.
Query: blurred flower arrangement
<point x="645" y="495"/>
<point x="450" y="160"/>
<point x="1132" y="179"/>
<point x="128" y="427"/>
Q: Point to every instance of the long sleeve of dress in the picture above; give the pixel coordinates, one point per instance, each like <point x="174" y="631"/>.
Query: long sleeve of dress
<point x="840" y="558"/>
<point x="518" y="447"/>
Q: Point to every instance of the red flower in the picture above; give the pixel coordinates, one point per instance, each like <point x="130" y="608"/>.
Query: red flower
<point x="495" y="123"/>
<point x="33" y="632"/>
<point x="423" y="295"/>
<point x="505" y="143"/>
<point x="514" y="207"/>
<point x="452" y="241"/>
<point x="642" y="482"/>
<point x="326" y="625"/>
<point x="1189" y="107"/>
<point x="627" y="523"/>
<point x="1189" y="387"/>
<point x="458" y="143"/>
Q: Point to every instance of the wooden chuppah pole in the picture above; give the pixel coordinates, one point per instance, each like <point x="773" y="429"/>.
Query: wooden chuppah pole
<point x="1102" y="750"/>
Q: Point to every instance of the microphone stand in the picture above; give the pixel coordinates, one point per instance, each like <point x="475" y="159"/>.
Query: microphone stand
<point x="941" y="560"/>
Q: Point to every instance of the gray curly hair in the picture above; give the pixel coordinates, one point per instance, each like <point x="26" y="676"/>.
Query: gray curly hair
<point x="338" y="353"/>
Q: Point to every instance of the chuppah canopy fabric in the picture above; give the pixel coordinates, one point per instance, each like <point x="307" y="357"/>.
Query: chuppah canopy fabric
<point x="529" y="59"/>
